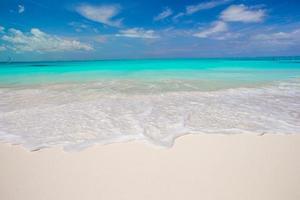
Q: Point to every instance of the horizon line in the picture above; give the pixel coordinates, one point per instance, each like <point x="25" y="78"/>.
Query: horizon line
<point x="153" y="58"/>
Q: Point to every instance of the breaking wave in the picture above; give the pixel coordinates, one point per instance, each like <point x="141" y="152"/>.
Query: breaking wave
<point x="76" y="116"/>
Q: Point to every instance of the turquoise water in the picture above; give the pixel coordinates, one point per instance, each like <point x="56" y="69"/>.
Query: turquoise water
<point x="77" y="104"/>
<point x="218" y="72"/>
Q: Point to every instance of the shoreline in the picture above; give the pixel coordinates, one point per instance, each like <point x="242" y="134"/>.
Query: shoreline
<point x="81" y="119"/>
<point x="240" y="166"/>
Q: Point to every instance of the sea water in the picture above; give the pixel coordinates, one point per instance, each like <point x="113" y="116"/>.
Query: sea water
<point x="77" y="104"/>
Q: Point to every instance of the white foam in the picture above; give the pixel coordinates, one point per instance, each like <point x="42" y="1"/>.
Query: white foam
<point x="76" y="116"/>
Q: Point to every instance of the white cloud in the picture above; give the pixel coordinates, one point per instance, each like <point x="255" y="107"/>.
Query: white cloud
<point x="164" y="14"/>
<point x="138" y="33"/>
<point x="242" y="13"/>
<point x="39" y="41"/>
<point x="279" y="38"/>
<point x="181" y="14"/>
<point x="191" y="9"/>
<point x="103" y="14"/>
<point x="204" y="6"/>
<point x="2" y="48"/>
<point x="227" y="35"/>
<point x="234" y="13"/>
<point x="216" y="28"/>
<point x="21" y="8"/>
<point x="80" y="27"/>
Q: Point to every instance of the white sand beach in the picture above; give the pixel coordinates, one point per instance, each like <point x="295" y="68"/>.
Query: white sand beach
<point x="227" y="167"/>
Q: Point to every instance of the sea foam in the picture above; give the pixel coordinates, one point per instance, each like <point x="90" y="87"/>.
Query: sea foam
<point x="75" y="116"/>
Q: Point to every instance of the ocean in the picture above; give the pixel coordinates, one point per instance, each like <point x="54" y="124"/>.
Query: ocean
<point x="76" y="104"/>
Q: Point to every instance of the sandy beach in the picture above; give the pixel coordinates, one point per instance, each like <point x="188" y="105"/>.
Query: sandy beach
<point x="149" y="100"/>
<point x="207" y="167"/>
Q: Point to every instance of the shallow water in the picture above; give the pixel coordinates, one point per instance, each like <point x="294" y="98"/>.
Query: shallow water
<point x="77" y="104"/>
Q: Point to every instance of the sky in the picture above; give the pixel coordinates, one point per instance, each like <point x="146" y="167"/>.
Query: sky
<point x="36" y="30"/>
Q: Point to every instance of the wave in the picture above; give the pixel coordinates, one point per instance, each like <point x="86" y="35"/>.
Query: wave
<point x="76" y="116"/>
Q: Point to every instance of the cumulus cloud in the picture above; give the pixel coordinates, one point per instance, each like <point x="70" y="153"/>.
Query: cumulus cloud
<point x="103" y="14"/>
<point x="138" y="33"/>
<point x="242" y="13"/>
<point x="215" y="29"/>
<point x="164" y="14"/>
<point x="234" y="13"/>
<point x="39" y="41"/>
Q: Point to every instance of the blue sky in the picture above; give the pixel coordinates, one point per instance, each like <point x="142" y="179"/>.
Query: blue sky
<point x="90" y="29"/>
